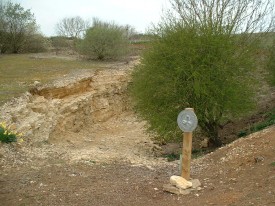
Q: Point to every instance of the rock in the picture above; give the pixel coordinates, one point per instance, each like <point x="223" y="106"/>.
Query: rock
<point x="199" y="188"/>
<point x="185" y="192"/>
<point x="195" y="183"/>
<point x="36" y="83"/>
<point x="180" y="182"/>
<point x="172" y="189"/>
<point x="258" y="159"/>
<point x="234" y="180"/>
<point x="204" y="143"/>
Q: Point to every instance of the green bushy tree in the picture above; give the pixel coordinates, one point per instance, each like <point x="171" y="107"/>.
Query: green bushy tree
<point x="36" y="43"/>
<point x="104" y="41"/>
<point x="271" y="64"/>
<point x="202" y="57"/>
<point x="17" y="27"/>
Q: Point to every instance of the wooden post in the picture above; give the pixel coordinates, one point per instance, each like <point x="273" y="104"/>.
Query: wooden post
<point x="187" y="122"/>
<point x="186" y="155"/>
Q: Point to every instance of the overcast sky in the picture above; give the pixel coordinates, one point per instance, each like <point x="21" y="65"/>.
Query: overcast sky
<point x="137" y="13"/>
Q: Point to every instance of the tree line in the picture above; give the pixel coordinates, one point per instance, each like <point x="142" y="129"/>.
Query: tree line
<point x="19" y="33"/>
<point x="99" y="39"/>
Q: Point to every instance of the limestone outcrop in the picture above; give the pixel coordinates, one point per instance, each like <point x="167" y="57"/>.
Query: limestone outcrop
<point x="44" y="112"/>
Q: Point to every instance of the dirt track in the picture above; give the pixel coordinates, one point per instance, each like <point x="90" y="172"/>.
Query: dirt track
<point x="239" y="174"/>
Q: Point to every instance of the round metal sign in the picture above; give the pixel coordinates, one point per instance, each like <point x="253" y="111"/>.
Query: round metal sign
<point x="187" y="120"/>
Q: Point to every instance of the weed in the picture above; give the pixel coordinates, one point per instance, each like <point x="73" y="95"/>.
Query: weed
<point x="242" y="133"/>
<point x="172" y="157"/>
<point x="7" y="135"/>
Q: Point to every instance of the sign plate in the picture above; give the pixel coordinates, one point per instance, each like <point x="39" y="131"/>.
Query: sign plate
<point x="187" y="120"/>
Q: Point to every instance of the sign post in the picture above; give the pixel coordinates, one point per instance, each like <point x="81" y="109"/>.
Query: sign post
<point x="187" y="122"/>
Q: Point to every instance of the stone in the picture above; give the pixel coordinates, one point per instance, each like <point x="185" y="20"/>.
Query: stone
<point x="180" y="182"/>
<point x="204" y="143"/>
<point x="185" y="192"/>
<point x="195" y="183"/>
<point x="199" y="188"/>
<point x="258" y="159"/>
<point x="36" y="83"/>
<point x="174" y="190"/>
<point x="234" y="180"/>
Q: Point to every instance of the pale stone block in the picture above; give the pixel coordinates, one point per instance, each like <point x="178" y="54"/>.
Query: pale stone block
<point x="180" y="182"/>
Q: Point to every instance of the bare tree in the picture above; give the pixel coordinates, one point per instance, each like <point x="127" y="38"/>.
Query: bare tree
<point x="73" y="27"/>
<point x="130" y="31"/>
<point x="231" y="16"/>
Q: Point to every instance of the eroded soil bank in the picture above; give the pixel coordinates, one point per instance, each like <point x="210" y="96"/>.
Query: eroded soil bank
<point x="83" y="117"/>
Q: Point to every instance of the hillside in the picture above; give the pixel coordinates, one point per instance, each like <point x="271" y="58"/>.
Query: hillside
<point x="85" y="146"/>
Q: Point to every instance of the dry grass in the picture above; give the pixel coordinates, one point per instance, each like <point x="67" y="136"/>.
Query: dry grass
<point x="18" y="72"/>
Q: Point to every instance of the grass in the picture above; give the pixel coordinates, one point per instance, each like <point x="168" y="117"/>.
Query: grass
<point x="17" y="72"/>
<point x="171" y="157"/>
<point x="269" y="120"/>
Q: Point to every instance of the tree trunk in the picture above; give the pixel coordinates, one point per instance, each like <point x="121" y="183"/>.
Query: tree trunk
<point x="212" y="130"/>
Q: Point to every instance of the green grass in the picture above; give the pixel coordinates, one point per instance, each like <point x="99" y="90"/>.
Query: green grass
<point x="17" y="72"/>
<point x="270" y="120"/>
<point x="171" y="157"/>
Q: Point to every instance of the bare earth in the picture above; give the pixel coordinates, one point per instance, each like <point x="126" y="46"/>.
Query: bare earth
<point x="111" y="160"/>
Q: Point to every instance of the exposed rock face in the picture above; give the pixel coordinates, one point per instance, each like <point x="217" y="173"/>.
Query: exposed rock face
<point x="84" y="117"/>
<point x="47" y="111"/>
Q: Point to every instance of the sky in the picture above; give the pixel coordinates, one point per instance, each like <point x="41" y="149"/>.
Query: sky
<point x="138" y="13"/>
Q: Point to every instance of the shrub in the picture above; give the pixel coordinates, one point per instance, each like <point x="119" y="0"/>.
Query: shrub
<point x="59" y="43"/>
<point x="271" y="64"/>
<point x="36" y="43"/>
<point x="202" y="61"/>
<point x="105" y="41"/>
<point x="185" y="69"/>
